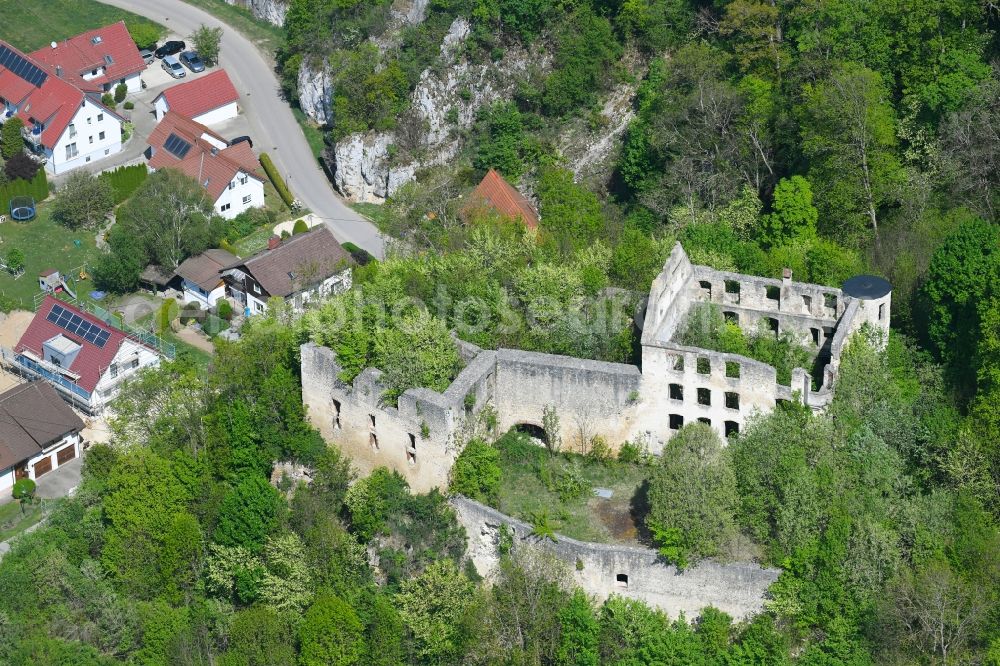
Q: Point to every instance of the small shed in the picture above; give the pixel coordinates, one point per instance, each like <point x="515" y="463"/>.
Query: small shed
<point x="156" y="278"/>
<point x="49" y="280"/>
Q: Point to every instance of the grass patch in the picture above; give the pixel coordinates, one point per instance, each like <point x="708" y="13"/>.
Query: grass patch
<point x="266" y="36"/>
<point x="273" y="202"/>
<point x="12" y="522"/>
<point x="45" y="245"/>
<point x="31" y="25"/>
<point x="313" y="133"/>
<point x="254" y="243"/>
<point x="379" y="214"/>
<point x="561" y="487"/>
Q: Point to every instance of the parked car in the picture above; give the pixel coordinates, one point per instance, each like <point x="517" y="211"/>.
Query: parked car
<point x="241" y="139"/>
<point x="170" y="48"/>
<point x="173" y="67"/>
<point x="147" y="56"/>
<point x="192" y="61"/>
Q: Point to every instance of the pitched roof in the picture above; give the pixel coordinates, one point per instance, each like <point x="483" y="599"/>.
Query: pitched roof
<point x="41" y="99"/>
<point x="32" y="417"/>
<point x="203" y="270"/>
<point x="91" y="361"/>
<point x="201" y="95"/>
<point x="496" y="193"/>
<point x="110" y="47"/>
<point x="155" y="274"/>
<point x="203" y="155"/>
<point x="299" y="262"/>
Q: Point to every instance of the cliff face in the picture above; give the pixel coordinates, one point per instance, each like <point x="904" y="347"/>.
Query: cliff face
<point x="272" y="11"/>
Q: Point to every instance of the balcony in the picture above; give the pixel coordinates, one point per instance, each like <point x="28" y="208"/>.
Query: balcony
<point x="33" y="135"/>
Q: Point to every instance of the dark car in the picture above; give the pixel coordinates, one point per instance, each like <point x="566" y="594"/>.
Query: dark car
<point x="241" y="139"/>
<point x="191" y="60"/>
<point x="170" y="48"/>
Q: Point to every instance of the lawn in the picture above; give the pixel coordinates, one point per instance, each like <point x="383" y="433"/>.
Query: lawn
<point x="259" y="31"/>
<point x="314" y="135"/>
<point x="45" y="245"/>
<point x="12" y="522"/>
<point x="379" y="214"/>
<point x="30" y="25"/>
<point x="560" y="487"/>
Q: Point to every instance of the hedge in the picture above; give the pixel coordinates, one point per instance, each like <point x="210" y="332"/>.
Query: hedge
<point x="361" y="257"/>
<point x="276" y="179"/>
<point x="37" y="188"/>
<point x="125" y="180"/>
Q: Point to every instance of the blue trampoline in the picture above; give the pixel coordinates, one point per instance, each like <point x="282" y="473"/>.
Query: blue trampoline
<point x="22" y="209"/>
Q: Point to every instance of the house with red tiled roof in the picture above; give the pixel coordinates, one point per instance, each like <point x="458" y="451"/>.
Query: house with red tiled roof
<point x="83" y="358"/>
<point x="497" y="194"/>
<point x="63" y="124"/>
<point x="209" y="99"/>
<point x="96" y="61"/>
<point x="228" y="173"/>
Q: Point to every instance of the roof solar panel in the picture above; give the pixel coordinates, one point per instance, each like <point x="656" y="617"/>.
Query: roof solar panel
<point x="74" y="323"/>
<point x="177" y="146"/>
<point x="21" y="66"/>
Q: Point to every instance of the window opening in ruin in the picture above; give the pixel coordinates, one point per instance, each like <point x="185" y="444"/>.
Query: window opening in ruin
<point x="731" y="317"/>
<point x="372" y="417"/>
<point x="411" y="449"/>
<point x="733" y="369"/>
<point x="732" y="400"/>
<point x="827" y="332"/>
<point x="411" y="457"/>
<point x="704" y="366"/>
<point x="881" y="311"/>
<point x="733" y="290"/>
<point x="830" y="301"/>
<point x="679" y="363"/>
<point x="373" y="440"/>
<point x="773" y="294"/>
<point x="621" y="581"/>
<point x="676" y="421"/>
<point x="772" y="324"/>
<point x="807" y="301"/>
<point x="706" y="421"/>
<point x="815" y="334"/>
<point x="676" y="392"/>
<point x="704" y="396"/>
<point x="732" y="428"/>
<point x="336" y="415"/>
<point x="706" y="287"/>
<point x="413" y="442"/>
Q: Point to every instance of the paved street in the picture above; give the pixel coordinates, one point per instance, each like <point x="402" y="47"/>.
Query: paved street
<point x="272" y="125"/>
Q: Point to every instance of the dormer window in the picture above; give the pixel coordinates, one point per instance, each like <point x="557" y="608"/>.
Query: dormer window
<point x="108" y="60"/>
<point x="96" y="39"/>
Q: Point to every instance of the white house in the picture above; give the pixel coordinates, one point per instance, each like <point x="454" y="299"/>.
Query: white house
<point x="62" y="123"/>
<point x="309" y="265"/>
<point x="227" y="172"/>
<point x="82" y="357"/>
<point x="201" y="281"/>
<point x="208" y="99"/>
<point x="38" y="433"/>
<point x="96" y="61"/>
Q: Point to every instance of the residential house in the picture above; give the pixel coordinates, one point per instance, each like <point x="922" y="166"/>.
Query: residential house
<point x="63" y="124"/>
<point x="201" y="279"/>
<point x="309" y="265"/>
<point x="96" y="61"/>
<point x="85" y="359"/>
<point x="227" y="172"/>
<point x="208" y="99"/>
<point x="495" y="193"/>
<point x="39" y="432"/>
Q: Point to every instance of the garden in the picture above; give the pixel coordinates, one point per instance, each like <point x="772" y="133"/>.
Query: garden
<point x="30" y="26"/>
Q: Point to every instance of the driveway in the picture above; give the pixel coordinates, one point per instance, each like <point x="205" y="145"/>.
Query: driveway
<point x="272" y="125"/>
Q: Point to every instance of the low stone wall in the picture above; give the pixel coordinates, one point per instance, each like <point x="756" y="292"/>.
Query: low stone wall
<point x="737" y="589"/>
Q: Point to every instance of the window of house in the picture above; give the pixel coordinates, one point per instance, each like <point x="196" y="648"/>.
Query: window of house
<point x="90" y="139"/>
<point x="232" y="185"/>
<point x="89" y="120"/>
<point x="731" y="317"/>
<point x="224" y="207"/>
<point x="733" y="289"/>
<point x="772" y="324"/>
<point x="732" y="428"/>
<point x="807" y="302"/>
<point x="244" y="179"/>
<point x="830" y="301"/>
<point x="732" y="400"/>
<point x="704" y="366"/>
<point x="773" y="294"/>
<point x="256" y="290"/>
<point x="107" y="151"/>
<point x="621" y="581"/>
<point x="114" y="370"/>
<point x="101" y="136"/>
<point x="705" y="420"/>
<point x="100" y="117"/>
<point x="71" y="151"/>
<point x="133" y="364"/>
<point x="706" y="288"/>
<point x="87" y="158"/>
<point x="259" y="307"/>
<point x="72" y="130"/>
<point x="246" y="199"/>
<point x="676" y="392"/>
<point x="704" y="396"/>
<point x="676" y="421"/>
<point x="679" y="364"/>
<point x="881" y="311"/>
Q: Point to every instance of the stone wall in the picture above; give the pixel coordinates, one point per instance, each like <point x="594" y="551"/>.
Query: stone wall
<point x="738" y="589"/>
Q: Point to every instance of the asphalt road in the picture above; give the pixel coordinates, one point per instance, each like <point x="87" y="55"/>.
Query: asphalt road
<point x="273" y="127"/>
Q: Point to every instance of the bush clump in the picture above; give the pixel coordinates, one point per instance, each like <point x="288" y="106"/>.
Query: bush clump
<point x="276" y="179"/>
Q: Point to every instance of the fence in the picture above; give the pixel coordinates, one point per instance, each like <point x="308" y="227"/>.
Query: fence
<point x="149" y="338"/>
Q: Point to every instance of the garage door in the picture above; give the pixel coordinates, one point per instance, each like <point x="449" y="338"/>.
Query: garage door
<point x="43" y="466"/>
<point x="65" y="455"/>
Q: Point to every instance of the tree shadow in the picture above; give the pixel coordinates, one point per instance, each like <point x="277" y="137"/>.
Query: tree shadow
<point x="639" y="509"/>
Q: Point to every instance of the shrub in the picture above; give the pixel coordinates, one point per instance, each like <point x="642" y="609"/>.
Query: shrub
<point x="299" y="227"/>
<point x="166" y="314"/>
<point x="129" y="105"/>
<point x="125" y="180"/>
<point x="225" y="310"/>
<point x="21" y="166"/>
<point x="630" y="453"/>
<point x="15" y="260"/>
<point x="11" y="141"/>
<point x="36" y="188"/>
<point x="120" y="91"/>
<point x="190" y="312"/>
<point x="360" y="256"/>
<point x="276" y="179"/>
<point x="108" y="100"/>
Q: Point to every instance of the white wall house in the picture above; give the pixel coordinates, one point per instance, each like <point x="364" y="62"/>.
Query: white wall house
<point x="208" y="99"/>
<point x="93" y="134"/>
<point x="131" y="357"/>
<point x="201" y="277"/>
<point x="244" y="192"/>
<point x="96" y="61"/>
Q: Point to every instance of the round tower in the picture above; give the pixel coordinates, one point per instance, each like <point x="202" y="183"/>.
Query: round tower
<point x="874" y="295"/>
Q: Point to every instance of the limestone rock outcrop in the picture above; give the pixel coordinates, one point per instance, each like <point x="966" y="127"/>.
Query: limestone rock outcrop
<point x="272" y="11"/>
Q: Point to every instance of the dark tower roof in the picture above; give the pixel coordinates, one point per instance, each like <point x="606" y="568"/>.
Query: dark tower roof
<point x="867" y="287"/>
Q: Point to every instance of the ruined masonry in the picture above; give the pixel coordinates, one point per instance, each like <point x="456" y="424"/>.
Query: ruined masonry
<point x="616" y="401"/>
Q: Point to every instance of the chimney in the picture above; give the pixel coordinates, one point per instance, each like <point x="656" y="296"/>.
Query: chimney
<point x="273" y="242"/>
<point x="786" y="275"/>
<point x="59" y="71"/>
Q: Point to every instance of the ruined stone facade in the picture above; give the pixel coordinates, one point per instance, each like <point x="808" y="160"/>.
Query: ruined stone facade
<point x="619" y="402"/>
